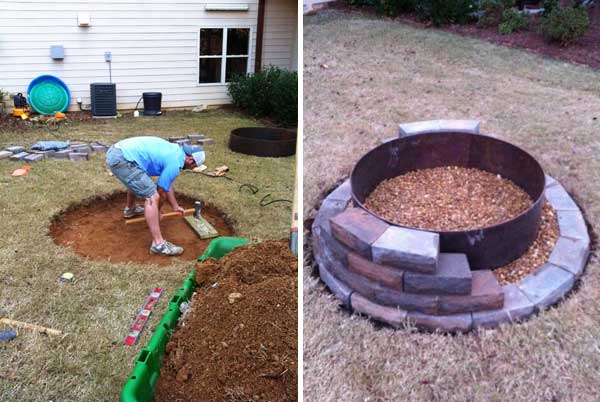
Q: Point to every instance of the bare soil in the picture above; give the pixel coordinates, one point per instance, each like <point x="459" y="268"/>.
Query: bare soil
<point x="448" y="198"/>
<point x="96" y="229"/>
<point x="239" y="341"/>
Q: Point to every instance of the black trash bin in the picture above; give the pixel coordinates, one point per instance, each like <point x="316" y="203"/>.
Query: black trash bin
<point x="152" y="101"/>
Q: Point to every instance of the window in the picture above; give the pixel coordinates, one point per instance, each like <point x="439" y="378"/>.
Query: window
<point x="223" y="54"/>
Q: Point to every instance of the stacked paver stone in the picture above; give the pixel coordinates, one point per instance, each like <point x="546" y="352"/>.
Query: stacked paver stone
<point x="395" y="274"/>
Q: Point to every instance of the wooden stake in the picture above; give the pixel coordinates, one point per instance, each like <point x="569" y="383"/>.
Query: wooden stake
<point x="167" y="215"/>
<point x="33" y="327"/>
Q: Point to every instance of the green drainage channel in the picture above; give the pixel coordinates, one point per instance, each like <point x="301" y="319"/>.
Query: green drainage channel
<point x="140" y="384"/>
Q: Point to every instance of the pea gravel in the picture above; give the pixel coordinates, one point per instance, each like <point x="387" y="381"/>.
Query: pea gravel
<point x="537" y="254"/>
<point x="448" y="198"/>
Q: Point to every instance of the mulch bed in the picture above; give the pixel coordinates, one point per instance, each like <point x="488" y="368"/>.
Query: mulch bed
<point x="448" y="198"/>
<point x="239" y="341"/>
<point x="537" y="254"/>
<point x="586" y="51"/>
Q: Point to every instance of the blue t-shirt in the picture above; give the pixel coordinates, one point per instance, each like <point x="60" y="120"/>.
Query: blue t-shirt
<point x="157" y="157"/>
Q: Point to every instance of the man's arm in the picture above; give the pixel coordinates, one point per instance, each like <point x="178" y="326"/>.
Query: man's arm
<point x="170" y="197"/>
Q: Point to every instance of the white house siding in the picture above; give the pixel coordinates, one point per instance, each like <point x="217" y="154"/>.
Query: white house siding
<point x="153" y="44"/>
<point x="280" y="34"/>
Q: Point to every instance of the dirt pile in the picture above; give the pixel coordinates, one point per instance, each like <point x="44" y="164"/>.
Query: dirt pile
<point x="239" y="341"/>
<point x="447" y="199"/>
<point x="96" y="229"/>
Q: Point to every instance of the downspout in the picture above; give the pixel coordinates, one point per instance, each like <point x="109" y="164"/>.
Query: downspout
<point x="260" y="27"/>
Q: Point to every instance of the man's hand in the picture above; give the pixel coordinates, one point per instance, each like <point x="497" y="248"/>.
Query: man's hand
<point x="179" y="209"/>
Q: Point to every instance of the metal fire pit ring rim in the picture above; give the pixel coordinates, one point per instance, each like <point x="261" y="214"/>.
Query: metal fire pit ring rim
<point x="442" y="232"/>
<point x="532" y="213"/>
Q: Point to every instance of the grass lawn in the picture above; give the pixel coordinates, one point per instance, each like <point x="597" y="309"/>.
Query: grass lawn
<point x="363" y="76"/>
<point x="90" y="363"/>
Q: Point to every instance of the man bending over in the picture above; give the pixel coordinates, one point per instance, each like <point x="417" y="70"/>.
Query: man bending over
<point x="133" y="161"/>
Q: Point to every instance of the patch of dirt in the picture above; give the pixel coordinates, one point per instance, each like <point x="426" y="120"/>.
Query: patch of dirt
<point x="537" y="254"/>
<point x="448" y="198"/>
<point x="96" y="229"/>
<point x="239" y="341"/>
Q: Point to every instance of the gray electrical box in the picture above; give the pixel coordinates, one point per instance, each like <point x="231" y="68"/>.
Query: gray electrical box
<point x="57" y="52"/>
<point x="107" y="56"/>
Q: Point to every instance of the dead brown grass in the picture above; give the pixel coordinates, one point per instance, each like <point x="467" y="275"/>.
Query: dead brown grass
<point x="379" y="74"/>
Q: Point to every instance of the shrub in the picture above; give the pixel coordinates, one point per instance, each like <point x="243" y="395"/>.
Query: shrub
<point x="271" y="93"/>
<point x="512" y="20"/>
<point x="492" y="11"/>
<point x="445" y="11"/>
<point x="393" y="8"/>
<point x="565" y="25"/>
<point x="550" y="5"/>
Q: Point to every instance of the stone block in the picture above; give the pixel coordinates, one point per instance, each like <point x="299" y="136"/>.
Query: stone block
<point x="558" y="197"/>
<point x="571" y="224"/>
<point x="357" y="229"/>
<point x="62" y="154"/>
<point x="97" y="147"/>
<point x="5" y="154"/>
<point x="195" y="137"/>
<point x="438" y="126"/>
<point x="342" y="193"/>
<point x="79" y="156"/>
<point x="570" y="254"/>
<point x="486" y="294"/>
<point x="517" y="307"/>
<point x="16" y="149"/>
<point x="336" y="247"/>
<point x="389" y="277"/>
<point x="206" y="141"/>
<point x="389" y="297"/>
<point x="45" y="154"/>
<point x="550" y="181"/>
<point x="393" y="316"/>
<point x="453" y="276"/>
<point x="31" y="158"/>
<point x="19" y="156"/>
<point x="81" y="149"/>
<point x="329" y="209"/>
<point x="339" y="289"/>
<point x="408" y="249"/>
<point x="442" y="323"/>
<point x="327" y="263"/>
<point x="547" y="285"/>
<point x="183" y="142"/>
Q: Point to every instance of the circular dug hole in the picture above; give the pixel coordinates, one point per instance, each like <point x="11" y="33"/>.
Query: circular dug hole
<point x="96" y="229"/>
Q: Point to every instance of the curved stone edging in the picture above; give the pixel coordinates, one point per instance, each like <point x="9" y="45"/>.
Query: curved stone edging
<point x="547" y="285"/>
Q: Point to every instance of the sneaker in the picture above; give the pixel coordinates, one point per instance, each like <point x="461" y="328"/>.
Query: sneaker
<point x="133" y="211"/>
<point x="166" y="248"/>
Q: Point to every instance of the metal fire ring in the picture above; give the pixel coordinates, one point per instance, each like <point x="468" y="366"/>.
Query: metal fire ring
<point x="488" y="247"/>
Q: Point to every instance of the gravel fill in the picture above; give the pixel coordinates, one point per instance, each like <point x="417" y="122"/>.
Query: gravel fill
<point x="448" y="198"/>
<point x="537" y="254"/>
